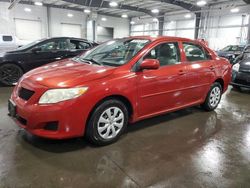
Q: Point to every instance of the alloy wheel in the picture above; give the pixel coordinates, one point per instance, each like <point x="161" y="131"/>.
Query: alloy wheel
<point x="10" y="74"/>
<point x="214" y="97"/>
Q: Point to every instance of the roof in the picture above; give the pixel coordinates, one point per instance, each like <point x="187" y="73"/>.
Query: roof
<point x="161" y="38"/>
<point x="67" y="38"/>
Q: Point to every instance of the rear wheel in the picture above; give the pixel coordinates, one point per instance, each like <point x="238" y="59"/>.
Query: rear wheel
<point x="10" y="74"/>
<point x="213" y="97"/>
<point x="108" y="121"/>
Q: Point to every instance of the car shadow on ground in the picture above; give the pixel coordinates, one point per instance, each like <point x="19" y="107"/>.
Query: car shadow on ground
<point x="243" y="90"/>
<point x="68" y="145"/>
<point x="1" y="85"/>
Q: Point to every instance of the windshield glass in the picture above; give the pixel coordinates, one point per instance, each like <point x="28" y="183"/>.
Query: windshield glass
<point x="29" y="45"/>
<point x="115" y="52"/>
<point x="230" y="48"/>
<point x="247" y="49"/>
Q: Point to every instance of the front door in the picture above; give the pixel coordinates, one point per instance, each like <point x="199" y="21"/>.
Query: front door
<point x="161" y="90"/>
<point x="48" y="51"/>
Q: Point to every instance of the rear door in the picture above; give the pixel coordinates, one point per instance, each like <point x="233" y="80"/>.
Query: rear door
<point x="200" y="72"/>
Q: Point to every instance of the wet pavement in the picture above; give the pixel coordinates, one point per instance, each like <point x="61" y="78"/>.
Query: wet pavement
<point x="188" y="148"/>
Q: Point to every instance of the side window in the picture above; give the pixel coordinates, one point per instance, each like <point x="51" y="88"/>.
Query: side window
<point x="7" y="38"/>
<point x="84" y="45"/>
<point x="48" y="46"/>
<point x="166" y="53"/>
<point x="53" y="45"/>
<point x="62" y="45"/>
<point x="79" y="45"/>
<point x="195" y="52"/>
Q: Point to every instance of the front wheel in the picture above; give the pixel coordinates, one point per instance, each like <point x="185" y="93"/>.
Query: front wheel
<point x="213" y="97"/>
<point x="107" y="122"/>
<point x="10" y="74"/>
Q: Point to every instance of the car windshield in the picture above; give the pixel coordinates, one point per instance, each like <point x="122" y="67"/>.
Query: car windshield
<point x="247" y="49"/>
<point x="115" y="52"/>
<point x="230" y="48"/>
<point x="29" y="45"/>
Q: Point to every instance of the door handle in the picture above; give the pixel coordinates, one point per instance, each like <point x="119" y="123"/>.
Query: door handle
<point x="182" y="72"/>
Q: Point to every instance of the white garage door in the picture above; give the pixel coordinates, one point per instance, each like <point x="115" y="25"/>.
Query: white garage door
<point x="28" y="29"/>
<point x="71" y="30"/>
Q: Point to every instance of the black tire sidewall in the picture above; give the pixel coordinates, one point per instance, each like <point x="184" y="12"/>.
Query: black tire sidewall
<point x="14" y="65"/>
<point x="92" y="133"/>
<point x="207" y="104"/>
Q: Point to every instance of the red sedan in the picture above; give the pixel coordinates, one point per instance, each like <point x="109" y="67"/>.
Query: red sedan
<point x="120" y="81"/>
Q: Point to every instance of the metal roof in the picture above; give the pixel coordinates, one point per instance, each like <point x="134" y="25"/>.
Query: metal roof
<point x="133" y="8"/>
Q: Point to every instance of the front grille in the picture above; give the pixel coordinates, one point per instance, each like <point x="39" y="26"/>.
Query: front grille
<point x="25" y="94"/>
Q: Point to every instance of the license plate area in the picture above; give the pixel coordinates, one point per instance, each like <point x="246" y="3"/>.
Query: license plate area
<point x="11" y="108"/>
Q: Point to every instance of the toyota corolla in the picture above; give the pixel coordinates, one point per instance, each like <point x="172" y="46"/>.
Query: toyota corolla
<point x="118" y="82"/>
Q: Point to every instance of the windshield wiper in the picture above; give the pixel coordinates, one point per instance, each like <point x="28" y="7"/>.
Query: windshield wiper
<point x="90" y="60"/>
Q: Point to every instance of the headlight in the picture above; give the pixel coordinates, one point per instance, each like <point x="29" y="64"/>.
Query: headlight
<point x="236" y="67"/>
<point x="58" y="95"/>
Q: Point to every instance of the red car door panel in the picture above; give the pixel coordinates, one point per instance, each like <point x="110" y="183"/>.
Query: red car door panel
<point x="200" y="73"/>
<point x="199" y="79"/>
<point x="161" y="89"/>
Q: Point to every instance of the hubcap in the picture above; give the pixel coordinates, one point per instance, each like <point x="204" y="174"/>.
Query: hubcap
<point x="110" y="122"/>
<point x="10" y="74"/>
<point x="215" y="96"/>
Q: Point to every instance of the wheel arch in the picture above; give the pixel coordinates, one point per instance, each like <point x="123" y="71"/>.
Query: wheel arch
<point x="13" y="62"/>
<point x="221" y="82"/>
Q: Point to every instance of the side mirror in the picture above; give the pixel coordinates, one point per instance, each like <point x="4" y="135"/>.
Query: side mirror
<point x="37" y="49"/>
<point x="149" y="64"/>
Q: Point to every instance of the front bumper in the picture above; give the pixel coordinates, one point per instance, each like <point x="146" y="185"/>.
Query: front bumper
<point x="241" y="79"/>
<point x="69" y="116"/>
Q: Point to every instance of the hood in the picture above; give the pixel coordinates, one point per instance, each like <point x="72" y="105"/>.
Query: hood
<point x="66" y="73"/>
<point x="245" y="64"/>
<point x="225" y="54"/>
<point x="15" y="51"/>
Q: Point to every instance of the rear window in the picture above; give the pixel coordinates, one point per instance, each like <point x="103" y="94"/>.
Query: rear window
<point x="195" y="52"/>
<point x="7" y="38"/>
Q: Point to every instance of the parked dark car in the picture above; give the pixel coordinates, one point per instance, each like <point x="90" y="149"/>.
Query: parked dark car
<point x="241" y="70"/>
<point x="231" y="52"/>
<point x="244" y="55"/>
<point x="14" y="64"/>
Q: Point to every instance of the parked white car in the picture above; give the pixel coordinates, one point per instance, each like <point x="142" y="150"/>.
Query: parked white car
<point x="7" y="42"/>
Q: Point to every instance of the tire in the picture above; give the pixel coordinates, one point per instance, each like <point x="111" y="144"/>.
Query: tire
<point x="107" y="122"/>
<point x="213" y="97"/>
<point x="10" y="74"/>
